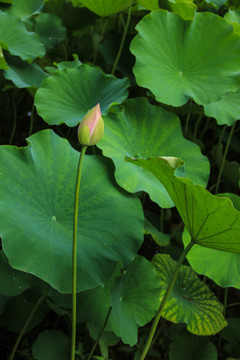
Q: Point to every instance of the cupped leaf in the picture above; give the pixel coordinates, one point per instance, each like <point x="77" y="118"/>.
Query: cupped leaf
<point x="37" y="195"/>
<point x="50" y="29"/>
<point x="3" y="64"/>
<point x="51" y="345"/>
<point x="220" y="266"/>
<point x="211" y="221"/>
<point x="25" y="8"/>
<point x="142" y="130"/>
<point x="190" y="301"/>
<point x="188" y="347"/>
<point x="134" y="299"/>
<point x="15" y="38"/>
<point x="226" y="110"/>
<point x="14" y="282"/>
<point x="178" y="59"/>
<point x="104" y="7"/>
<point x="67" y="95"/>
<point x="23" y="74"/>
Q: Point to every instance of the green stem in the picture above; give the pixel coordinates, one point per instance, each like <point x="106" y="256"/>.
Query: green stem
<point x="224" y="158"/>
<point x="197" y="126"/>
<point x="164" y="300"/>
<point x="123" y="39"/>
<point x="28" y="321"/>
<point x="31" y="121"/>
<point x="100" y="334"/>
<point x="14" y="118"/>
<point x="233" y="304"/>
<point x="74" y="252"/>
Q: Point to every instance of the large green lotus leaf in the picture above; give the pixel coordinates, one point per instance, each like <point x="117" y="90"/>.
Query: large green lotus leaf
<point x="188" y="347"/>
<point x="143" y="130"/>
<point x="25" y="8"/>
<point x="221" y="266"/>
<point x="103" y="7"/>
<point x="190" y="301"/>
<point x="37" y="196"/>
<point x="149" y="4"/>
<point x="226" y="110"/>
<point x="212" y="221"/>
<point x="93" y="306"/>
<point x="23" y="74"/>
<point x="15" y="38"/>
<point x="134" y="299"/>
<point x="67" y="95"/>
<point x="13" y="282"/>
<point x="178" y="59"/>
<point x="50" y="29"/>
<point x="51" y="345"/>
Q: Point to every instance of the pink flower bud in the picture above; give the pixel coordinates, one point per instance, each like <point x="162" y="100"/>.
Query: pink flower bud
<point x="91" y="128"/>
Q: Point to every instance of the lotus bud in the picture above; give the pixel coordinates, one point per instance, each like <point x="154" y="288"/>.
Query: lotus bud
<point x="90" y="129"/>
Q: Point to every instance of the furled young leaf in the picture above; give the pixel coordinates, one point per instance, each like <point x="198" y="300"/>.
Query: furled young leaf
<point x="3" y="64"/>
<point x="50" y="29"/>
<point x="188" y="347"/>
<point x="67" y="95"/>
<point x="211" y="221"/>
<point x="178" y="59"/>
<point x="36" y="212"/>
<point x="14" y="282"/>
<point x="190" y="301"/>
<point x="142" y="130"/>
<point x="25" y="8"/>
<point x="15" y="38"/>
<point x="226" y="110"/>
<point x="220" y="266"/>
<point x="134" y="299"/>
<point x="51" y="345"/>
<point x="104" y="7"/>
<point x="23" y="74"/>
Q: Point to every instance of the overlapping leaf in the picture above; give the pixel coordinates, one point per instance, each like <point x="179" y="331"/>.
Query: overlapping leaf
<point x="178" y="59"/>
<point x="67" y="95"/>
<point x="15" y="38"/>
<point x="190" y="301"/>
<point x="211" y="221"/>
<point x="37" y="194"/>
<point x="25" y="8"/>
<point x="51" y="345"/>
<point x="143" y="130"/>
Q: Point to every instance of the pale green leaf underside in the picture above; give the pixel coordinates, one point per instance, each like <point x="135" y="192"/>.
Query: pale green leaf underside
<point x="140" y="129"/>
<point x="211" y="221"/>
<point x="190" y="301"/>
<point x="104" y="7"/>
<point x="178" y="59"/>
<point x="36" y="211"/>
<point x="15" y="38"/>
<point x="67" y="95"/>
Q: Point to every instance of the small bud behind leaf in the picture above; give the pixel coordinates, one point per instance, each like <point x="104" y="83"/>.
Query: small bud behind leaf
<point x="91" y="128"/>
